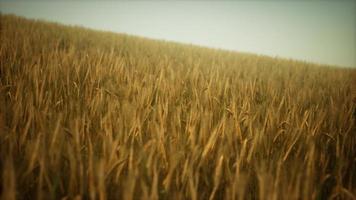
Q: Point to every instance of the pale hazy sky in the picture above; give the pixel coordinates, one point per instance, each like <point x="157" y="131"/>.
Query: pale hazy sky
<point x="317" y="31"/>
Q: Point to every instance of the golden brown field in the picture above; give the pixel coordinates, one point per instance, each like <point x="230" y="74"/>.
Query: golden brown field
<point x="96" y="115"/>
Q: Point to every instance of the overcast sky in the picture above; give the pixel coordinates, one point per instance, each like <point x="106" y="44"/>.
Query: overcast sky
<point x="318" y="31"/>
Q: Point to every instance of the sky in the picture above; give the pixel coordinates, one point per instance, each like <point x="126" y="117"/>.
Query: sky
<point x="322" y="32"/>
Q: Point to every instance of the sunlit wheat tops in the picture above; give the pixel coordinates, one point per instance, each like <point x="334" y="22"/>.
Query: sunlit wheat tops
<point x="97" y="115"/>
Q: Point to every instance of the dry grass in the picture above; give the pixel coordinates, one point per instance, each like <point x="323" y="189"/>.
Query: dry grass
<point x="96" y="115"/>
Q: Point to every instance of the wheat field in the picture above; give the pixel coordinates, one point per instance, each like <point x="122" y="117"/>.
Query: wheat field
<point x="88" y="114"/>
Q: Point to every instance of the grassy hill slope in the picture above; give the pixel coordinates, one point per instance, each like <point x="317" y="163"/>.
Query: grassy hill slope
<point x="97" y="115"/>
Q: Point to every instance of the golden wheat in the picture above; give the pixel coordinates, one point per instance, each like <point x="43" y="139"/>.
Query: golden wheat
<point x="96" y="115"/>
